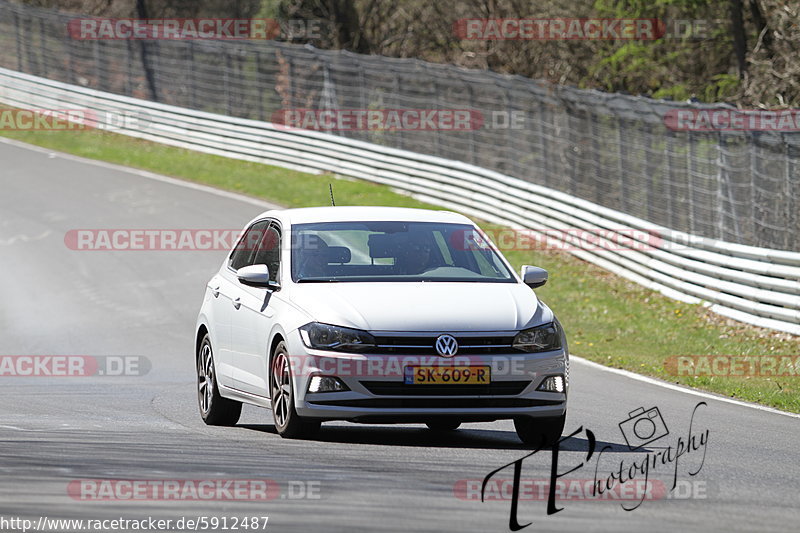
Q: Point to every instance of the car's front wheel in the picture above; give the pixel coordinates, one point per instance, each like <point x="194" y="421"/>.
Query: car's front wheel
<point x="288" y="423"/>
<point x="533" y="430"/>
<point x="215" y="410"/>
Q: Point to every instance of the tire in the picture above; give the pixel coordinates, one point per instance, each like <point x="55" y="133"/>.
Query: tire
<point x="288" y="423"/>
<point x="214" y="409"/>
<point x="443" y="425"/>
<point x="531" y="430"/>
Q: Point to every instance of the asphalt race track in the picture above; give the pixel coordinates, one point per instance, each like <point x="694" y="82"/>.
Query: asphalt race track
<point x="56" y="431"/>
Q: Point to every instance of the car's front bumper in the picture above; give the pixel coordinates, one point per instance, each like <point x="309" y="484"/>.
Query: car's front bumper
<point x="378" y="392"/>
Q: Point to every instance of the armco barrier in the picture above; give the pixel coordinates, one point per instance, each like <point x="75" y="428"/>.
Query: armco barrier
<point x="754" y="285"/>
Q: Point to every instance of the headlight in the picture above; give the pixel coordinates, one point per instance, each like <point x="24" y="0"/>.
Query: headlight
<point x="539" y="339"/>
<point x="326" y="337"/>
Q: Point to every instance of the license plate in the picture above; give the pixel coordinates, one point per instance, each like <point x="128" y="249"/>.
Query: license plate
<point x="447" y="375"/>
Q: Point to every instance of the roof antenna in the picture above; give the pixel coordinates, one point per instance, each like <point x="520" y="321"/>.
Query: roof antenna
<point x="330" y="186"/>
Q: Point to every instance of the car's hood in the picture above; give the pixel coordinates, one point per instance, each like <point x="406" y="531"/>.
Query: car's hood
<point x="429" y="306"/>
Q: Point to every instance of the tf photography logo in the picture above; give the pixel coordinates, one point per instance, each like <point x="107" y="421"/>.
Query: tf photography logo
<point x="634" y="478"/>
<point x="643" y="427"/>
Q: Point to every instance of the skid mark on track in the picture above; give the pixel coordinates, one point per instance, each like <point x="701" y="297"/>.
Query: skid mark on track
<point x="10" y="241"/>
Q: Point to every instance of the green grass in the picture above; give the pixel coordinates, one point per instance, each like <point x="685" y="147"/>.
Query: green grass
<point x="608" y="319"/>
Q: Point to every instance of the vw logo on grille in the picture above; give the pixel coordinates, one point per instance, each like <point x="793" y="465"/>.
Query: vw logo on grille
<point x="446" y="345"/>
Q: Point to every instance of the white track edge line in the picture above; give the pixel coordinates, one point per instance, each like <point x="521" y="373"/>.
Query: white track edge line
<point x="143" y="173"/>
<point x="679" y="388"/>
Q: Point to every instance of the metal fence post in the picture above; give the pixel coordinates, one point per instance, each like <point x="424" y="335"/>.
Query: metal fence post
<point x="128" y="87"/>
<point x="690" y="182"/>
<point x="190" y="74"/>
<point x="18" y="41"/>
<point x="755" y="209"/>
<point x="259" y="94"/>
<point x="33" y="63"/>
<point x="226" y="80"/>
<point x="791" y="199"/>
<point x="98" y="71"/>
<point x="669" y="186"/>
<point x="650" y="170"/>
<point x="622" y="157"/>
<point x="43" y="51"/>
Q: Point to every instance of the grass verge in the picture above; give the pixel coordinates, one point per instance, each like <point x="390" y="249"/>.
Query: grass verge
<point x="608" y="319"/>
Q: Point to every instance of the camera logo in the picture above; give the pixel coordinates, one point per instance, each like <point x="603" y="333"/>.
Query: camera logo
<point x="643" y="427"/>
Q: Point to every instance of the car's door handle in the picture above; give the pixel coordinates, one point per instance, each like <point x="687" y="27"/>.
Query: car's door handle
<point x="237" y="303"/>
<point x="215" y="291"/>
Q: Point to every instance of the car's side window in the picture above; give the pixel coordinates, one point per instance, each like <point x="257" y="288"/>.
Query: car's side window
<point x="245" y="252"/>
<point x="269" y="251"/>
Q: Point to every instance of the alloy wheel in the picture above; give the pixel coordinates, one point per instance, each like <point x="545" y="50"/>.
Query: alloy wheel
<point x="281" y="389"/>
<point x="205" y="379"/>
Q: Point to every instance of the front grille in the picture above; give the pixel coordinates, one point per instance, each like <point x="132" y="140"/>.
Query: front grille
<point x="424" y="345"/>
<point x="438" y="403"/>
<point x="398" y="388"/>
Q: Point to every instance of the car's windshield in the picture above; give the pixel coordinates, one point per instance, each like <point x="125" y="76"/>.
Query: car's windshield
<point x="393" y="251"/>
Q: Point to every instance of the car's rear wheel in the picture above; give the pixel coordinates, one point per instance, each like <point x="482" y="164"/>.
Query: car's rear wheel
<point x="215" y="410"/>
<point x="288" y="423"/>
<point x="533" y="430"/>
<point x="444" y="424"/>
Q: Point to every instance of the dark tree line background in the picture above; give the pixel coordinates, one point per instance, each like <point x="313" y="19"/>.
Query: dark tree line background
<point x="746" y="51"/>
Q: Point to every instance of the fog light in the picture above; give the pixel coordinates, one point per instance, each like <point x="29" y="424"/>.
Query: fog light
<point x="326" y="384"/>
<point x="552" y="384"/>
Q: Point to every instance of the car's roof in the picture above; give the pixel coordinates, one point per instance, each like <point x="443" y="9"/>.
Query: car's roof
<point x="307" y="215"/>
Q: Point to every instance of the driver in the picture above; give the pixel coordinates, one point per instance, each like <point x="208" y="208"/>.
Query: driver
<point x="417" y="257"/>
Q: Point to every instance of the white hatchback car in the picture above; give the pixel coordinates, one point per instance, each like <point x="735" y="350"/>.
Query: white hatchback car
<point x="378" y="315"/>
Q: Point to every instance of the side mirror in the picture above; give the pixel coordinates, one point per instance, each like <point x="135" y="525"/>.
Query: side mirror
<point x="256" y="276"/>
<point x="533" y="276"/>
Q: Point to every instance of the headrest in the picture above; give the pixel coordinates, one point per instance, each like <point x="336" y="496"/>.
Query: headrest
<point x="339" y="254"/>
<point x="382" y="245"/>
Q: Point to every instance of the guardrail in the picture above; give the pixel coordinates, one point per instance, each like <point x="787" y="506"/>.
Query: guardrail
<point x="754" y="285"/>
